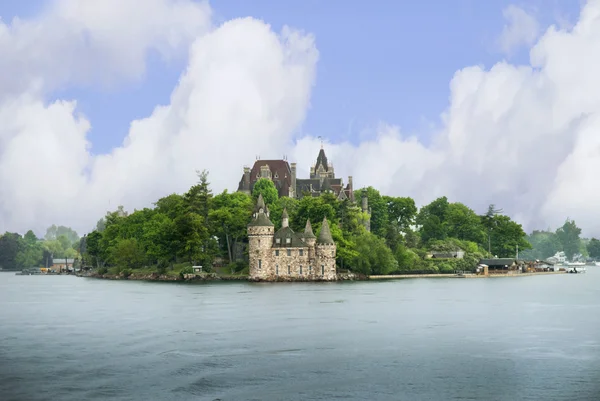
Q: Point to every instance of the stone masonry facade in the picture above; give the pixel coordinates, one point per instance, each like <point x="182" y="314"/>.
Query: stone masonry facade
<point x="287" y="255"/>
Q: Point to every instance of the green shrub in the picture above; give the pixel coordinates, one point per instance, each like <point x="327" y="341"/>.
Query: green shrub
<point x="103" y="270"/>
<point x="186" y="270"/>
<point x="126" y="272"/>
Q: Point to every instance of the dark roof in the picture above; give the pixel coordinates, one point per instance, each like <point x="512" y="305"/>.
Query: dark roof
<point x="261" y="219"/>
<point x="322" y="160"/>
<point x="281" y="175"/>
<point x="308" y="232"/>
<point x="325" y="234"/>
<point x="304" y="185"/>
<point x="287" y="232"/>
<point x="497" y="262"/>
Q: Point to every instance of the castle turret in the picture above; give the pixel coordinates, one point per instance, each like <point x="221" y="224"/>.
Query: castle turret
<point x="310" y="239"/>
<point x="285" y="219"/>
<point x="260" y="239"/>
<point x="325" y="250"/>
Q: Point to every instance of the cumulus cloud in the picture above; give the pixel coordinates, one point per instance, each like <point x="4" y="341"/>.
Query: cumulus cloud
<point x="521" y="29"/>
<point x="521" y="137"/>
<point x="244" y="91"/>
<point x="94" y="42"/>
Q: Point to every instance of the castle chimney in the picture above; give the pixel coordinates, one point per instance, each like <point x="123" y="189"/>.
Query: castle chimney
<point x="293" y="185"/>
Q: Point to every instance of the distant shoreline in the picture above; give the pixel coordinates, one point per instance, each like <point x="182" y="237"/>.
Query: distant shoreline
<point x="203" y="277"/>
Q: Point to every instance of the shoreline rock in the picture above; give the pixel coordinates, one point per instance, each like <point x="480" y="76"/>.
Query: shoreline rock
<point x="202" y="277"/>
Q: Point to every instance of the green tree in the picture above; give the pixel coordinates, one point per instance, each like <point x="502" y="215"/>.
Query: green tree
<point x="172" y="206"/>
<point x="229" y="217"/>
<point x="373" y="255"/>
<point x="265" y="187"/>
<point x="489" y="223"/>
<point x="128" y="254"/>
<point x="401" y="210"/>
<point x="313" y="209"/>
<point x="593" y="248"/>
<point x="379" y="211"/>
<point x="53" y="232"/>
<point x="568" y="235"/>
<point x="431" y="220"/>
<point x="463" y="223"/>
<point x="160" y="238"/>
<point x="197" y="199"/>
<point x="94" y="248"/>
<point x="193" y="233"/>
<point x="544" y="244"/>
<point x="10" y="244"/>
<point x="507" y="235"/>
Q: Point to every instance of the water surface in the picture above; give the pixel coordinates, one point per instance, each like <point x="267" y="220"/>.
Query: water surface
<point x="528" y="338"/>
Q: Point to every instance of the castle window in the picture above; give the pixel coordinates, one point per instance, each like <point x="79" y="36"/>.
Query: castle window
<point x="278" y="240"/>
<point x="322" y="270"/>
<point x="288" y="240"/>
<point x="332" y="253"/>
<point x="289" y="269"/>
<point x="259" y="264"/>
<point x="277" y="252"/>
<point x="300" y="269"/>
<point x="259" y="241"/>
<point x="301" y="252"/>
<point x="289" y="252"/>
<point x="309" y="269"/>
<point x="277" y="269"/>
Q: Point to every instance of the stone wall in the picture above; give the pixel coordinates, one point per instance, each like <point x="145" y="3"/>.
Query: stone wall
<point x="325" y="257"/>
<point x="260" y="240"/>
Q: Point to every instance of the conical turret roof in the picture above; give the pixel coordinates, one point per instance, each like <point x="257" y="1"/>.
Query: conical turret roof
<point x="325" y="234"/>
<point x="260" y="216"/>
<point x="308" y="232"/>
<point x="260" y="203"/>
<point x="284" y="215"/>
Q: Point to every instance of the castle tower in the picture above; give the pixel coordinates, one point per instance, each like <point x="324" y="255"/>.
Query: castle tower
<point x="246" y="180"/>
<point x="293" y="179"/>
<point x="260" y="240"/>
<point x="325" y="250"/>
<point x="365" y="209"/>
<point x="310" y="239"/>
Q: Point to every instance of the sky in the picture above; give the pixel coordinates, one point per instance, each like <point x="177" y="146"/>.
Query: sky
<point x="119" y="102"/>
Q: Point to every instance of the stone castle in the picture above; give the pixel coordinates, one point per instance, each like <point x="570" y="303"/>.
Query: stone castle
<point x="286" y="254"/>
<point x="283" y="174"/>
<point x="322" y="179"/>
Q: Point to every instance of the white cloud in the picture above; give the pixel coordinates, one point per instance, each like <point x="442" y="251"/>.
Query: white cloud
<point x="521" y="29"/>
<point x="522" y="137"/>
<point x="94" y="42"/>
<point x="243" y="93"/>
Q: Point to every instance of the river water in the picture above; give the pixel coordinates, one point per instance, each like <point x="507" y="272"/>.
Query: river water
<point x="528" y="338"/>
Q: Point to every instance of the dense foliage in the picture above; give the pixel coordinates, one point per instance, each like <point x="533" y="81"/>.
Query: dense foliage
<point x="200" y="228"/>
<point x="20" y="252"/>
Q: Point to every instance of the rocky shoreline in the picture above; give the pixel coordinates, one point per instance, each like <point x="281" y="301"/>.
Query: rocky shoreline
<point x="200" y="277"/>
